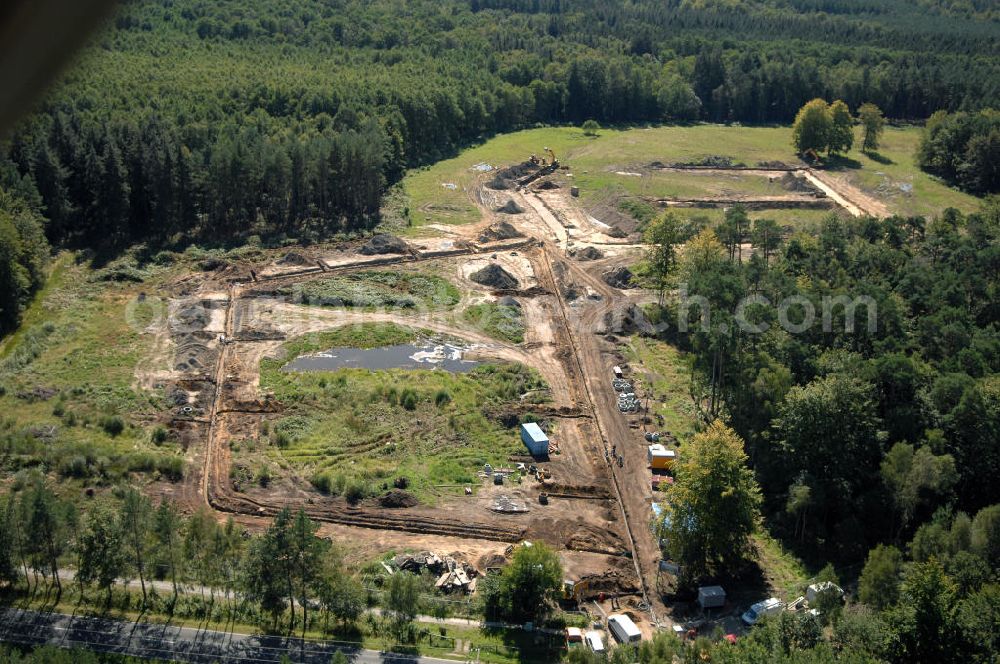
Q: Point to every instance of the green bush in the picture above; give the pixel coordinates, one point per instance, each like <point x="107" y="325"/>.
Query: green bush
<point x="408" y="399"/>
<point x="113" y="425"/>
<point x="442" y="398"/>
<point x="322" y="482"/>
<point x="76" y="466"/>
<point x="159" y="435"/>
<point x="171" y="467"/>
<point x="355" y="491"/>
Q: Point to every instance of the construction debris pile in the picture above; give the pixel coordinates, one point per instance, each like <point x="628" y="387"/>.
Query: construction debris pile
<point x="496" y="277"/>
<point x="620" y="277"/>
<point x="452" y="574"/>
<point x="502" y="180"/>
<point x="294" y="259"/>
<point x="586" y="254"/>
<point x="508" y="505"/>
<point x="384" y="244"/>
<point x="510" y="207"/>
<point x="502" y="230"/>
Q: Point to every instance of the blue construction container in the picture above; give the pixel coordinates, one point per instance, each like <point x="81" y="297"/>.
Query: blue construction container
<point x="535" y="439"/>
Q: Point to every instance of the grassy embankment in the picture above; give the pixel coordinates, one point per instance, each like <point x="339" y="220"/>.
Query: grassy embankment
<point x="355" y="430"/>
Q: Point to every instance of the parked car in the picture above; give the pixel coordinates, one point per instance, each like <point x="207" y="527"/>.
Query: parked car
<point x="768" y="607"/>
<point x="594" y="641"/>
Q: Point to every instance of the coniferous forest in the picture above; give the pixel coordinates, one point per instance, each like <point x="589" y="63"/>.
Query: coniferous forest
<point x="220" y="119"/>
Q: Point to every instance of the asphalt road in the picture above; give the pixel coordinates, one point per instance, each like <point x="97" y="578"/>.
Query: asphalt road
<point x="180" y="644"/>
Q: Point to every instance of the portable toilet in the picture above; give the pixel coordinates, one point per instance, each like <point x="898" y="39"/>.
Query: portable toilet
<point x="660" y="457"/>
<point x="711" y="597"/>
<point x="534" y="439"/>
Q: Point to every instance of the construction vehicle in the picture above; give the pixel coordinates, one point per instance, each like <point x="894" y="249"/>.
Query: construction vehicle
<point x="552" y="158"/>
<point x="813" y="157"/>
<point x="575" y="590"/>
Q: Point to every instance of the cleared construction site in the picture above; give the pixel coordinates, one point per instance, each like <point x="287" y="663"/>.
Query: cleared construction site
<point x="536" y="251"/>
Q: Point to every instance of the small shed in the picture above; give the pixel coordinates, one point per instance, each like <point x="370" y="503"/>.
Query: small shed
<point x="711" y="597"/>
<point x="660" y="457"/>
<point x="534" y="439"/>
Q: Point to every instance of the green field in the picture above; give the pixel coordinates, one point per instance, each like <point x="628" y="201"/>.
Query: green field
<point x="594" y="162"/>
<point x="68" y="396"/>
<point x="356" y="430"/>
<point x="377" y="289"/>
<point x="666" y="376"/>
<point x="499" y="321"/>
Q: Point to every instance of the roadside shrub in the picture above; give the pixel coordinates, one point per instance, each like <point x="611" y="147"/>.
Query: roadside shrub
<point x="113" y="425"/>
<point x="281" y="439"/>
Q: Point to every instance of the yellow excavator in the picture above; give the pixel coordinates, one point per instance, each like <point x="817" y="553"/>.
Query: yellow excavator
<point x="543" y="161"/>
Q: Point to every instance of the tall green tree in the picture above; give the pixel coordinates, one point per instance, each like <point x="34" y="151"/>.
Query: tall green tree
<point x="526" y="589"/>
<point x="101" y="550"/>
<point x="841" y="136"/>
<point x="49" y="522"/>
<point x="167" y="535"/>
<point x="872" y="126"/>
<point x="812" y="127"/>
<point x="713" y="506"/>
<point x="880" y="579"/>
<point x="402" y="601"/>
<point x="136" y="516"/>
<point x="662" y="235"/>
<point x="915" y="476"/>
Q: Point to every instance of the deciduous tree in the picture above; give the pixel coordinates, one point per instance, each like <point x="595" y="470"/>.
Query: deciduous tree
<point x="713" y="506"/>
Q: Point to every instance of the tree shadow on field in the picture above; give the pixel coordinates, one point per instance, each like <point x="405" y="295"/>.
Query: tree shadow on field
<point x="880" y="158"/>
<point x="839" y="162"/>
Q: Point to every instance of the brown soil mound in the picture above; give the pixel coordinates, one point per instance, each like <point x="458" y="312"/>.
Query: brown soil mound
<point x="620" y="277"/>
<point x="495" y="276"/>
<point x="510" y="207"/>
<point x="546" y="185"/>
<point x="384" y="244"/>
<point x="501" y="230"/>
<point x="587" y="254"/>
<point x="397" y="498"/>
<point x="789" y="182"/>
<point x="502" y="180"/>
<point x="293" y="258"/>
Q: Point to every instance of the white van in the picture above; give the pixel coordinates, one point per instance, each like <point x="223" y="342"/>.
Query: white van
<point x="594" y="641"/>
<point x="768" y="607"/>
<point x="624" y="629"/>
